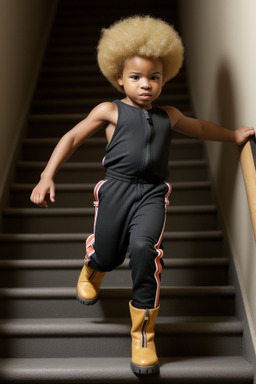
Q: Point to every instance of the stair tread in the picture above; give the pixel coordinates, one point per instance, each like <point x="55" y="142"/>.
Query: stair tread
<point x="70" y="292"/>
<point x="86" y="186"/>
<point x="56" y="117"/>
<point x="113" y="370"/>
<point x="77" y="263"/>
<point x="97" y="327"/>
<point x="28" y="212"/>
<point x="67" y="237"/>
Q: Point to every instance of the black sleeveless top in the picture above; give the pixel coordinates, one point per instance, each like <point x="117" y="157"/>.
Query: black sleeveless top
<point x="140" y="144"/>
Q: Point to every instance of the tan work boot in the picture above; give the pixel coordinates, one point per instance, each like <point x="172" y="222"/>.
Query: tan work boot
<point x="88" y="285"/>
<point x="144" y="357"/>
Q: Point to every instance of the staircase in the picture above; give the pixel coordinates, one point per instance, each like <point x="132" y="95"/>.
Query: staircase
<point x="46" y="335"/>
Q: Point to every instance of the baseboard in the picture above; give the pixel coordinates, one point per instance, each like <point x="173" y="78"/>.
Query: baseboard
<point x="15" y="150"/>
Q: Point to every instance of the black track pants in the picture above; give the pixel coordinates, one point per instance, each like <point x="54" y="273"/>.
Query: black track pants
<point x="130" y="214"/>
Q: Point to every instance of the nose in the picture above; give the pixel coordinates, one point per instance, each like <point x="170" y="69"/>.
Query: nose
<point x="145" y="83"/>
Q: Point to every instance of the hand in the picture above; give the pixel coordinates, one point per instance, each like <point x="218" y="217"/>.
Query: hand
<point x="45" y="185"/>
<point x="242" y="134"/>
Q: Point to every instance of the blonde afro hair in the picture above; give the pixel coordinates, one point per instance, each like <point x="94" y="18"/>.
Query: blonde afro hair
<point x="139" y="36"/>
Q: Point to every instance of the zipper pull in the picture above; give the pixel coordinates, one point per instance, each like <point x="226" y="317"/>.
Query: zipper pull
<point x="148" y="117"/>
<point x="146" y="318"/>
<point x="143" y="329"/>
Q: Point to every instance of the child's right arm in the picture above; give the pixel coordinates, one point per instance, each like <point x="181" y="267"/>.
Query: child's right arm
<point x="97" y="119"/>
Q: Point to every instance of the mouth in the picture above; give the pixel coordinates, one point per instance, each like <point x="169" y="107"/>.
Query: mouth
<point x="145" y="96"/>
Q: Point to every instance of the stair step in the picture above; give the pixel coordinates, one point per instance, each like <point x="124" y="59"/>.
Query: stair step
<point x="210" y="370"/>
<point x="78" y="7"/>
<point x="42" y="246"/>
<point x="62" y="32"/>
<point x="96" y="18"/>
<point x="65" y="91"/>
<point x="81" y="195"/>
<point x="78" y="57"/>
<point x="73" y="105"/>
<point x="74" y="79"/>
<point x="111" y="337"/>
<point x="67" y="69"/>
<point x="93" y="149"/>
<point x="61" y="302"/>
<point x="108" y="12"/>
<point x="78" y="40"/>
<point x="72" y="49"/>
<point x="61" y="273"/>
<point x="67" y="22"/>
<point x="73" y="220"/>
<point x="180" y="170"/>
<point x="57" y="118"/>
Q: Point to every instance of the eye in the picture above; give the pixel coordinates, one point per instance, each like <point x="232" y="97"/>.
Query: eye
<point x="155" y="78"/>
<point x="134" y="77"/>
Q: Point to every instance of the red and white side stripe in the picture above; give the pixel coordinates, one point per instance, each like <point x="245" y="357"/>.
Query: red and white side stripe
<point x="96" y="201"/>
<point x="91" y="239"/>
<point x="160" y="251"/>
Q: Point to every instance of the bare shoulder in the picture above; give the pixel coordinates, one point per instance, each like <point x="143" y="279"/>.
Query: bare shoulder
<point x="106" y="111"/>
<point x="174" y="114"/>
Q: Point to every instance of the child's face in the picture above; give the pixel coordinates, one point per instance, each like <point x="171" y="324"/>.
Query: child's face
<point x="142" y="80"/>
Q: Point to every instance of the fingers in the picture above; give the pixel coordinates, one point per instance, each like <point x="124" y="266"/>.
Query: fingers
<point x="253" y="132"/>
<point x="243" y="134"/>
<point x="52" y="194"/>
<point x="43" y="204"/>
<point x="250" y="132"/>
<point x="38" y="199"/>
<point x="38" y="194"/>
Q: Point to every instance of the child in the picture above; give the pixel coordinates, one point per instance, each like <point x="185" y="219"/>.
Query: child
<point x="137" y="55"/>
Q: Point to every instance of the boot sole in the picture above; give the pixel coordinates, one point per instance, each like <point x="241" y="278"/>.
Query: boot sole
<point x="149" y="370"/>
<point x="87" y="302"/>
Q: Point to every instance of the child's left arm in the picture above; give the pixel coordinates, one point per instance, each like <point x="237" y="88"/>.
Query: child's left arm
<point x="205" y="129"/>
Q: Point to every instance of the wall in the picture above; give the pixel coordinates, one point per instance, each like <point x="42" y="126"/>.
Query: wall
<point x="24" y="26"/>
<point x="220" y="38"/>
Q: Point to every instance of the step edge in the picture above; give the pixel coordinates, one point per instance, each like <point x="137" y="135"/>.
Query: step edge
<point x="115" y="369"/>
<point x="32" y="212"/>
<point x="85" y="186"/>
<point x="78" y="263"/>
<point x="70" y="292"/>
<point x="81" y="237"/>
<point x="120" y="327"/>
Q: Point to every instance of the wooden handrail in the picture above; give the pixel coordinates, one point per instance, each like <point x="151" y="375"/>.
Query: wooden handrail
<point x="249" y="172"/>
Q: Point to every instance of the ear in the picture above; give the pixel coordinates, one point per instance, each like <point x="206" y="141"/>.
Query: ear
<point x="119" y="79"/>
